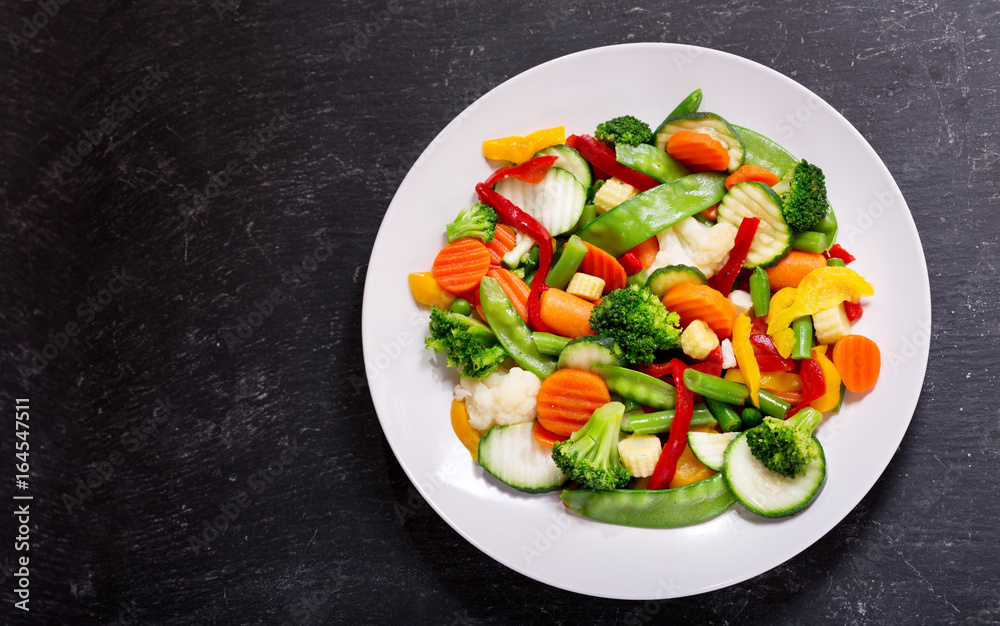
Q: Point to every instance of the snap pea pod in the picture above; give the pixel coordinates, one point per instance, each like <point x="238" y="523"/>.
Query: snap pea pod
<point x="512" y="333"/>
<point x="665" y="508"/>
<point x="642" y="216"/>
<point x="760" y="291"/>
<point x="810" y="241"/>
<point x="828" y="226"/>
<point x="569" y="261"/>
<point x="729" y="420"/>
<point x="763" y="152"/>
<point x="651" y="161"/>
<point x="689" y="104"/>
<point x="549" y="344"/>
<point x="803" y="329"/>
<point x="640" y="387"/>
<point x="660" y="421"/>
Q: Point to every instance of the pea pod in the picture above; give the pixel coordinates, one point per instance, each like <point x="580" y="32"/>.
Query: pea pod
<point x="665" y="508"/>
<point x="651" y="161"/>
<point x="569" y="261"/>
<point x="760" y="151"/>
<point x="642" y="216"/>
<point x="660" y="421"/>
<point x="689" y="104"/>
<point x="638" y="386"/>
<point x="512" y="333"/>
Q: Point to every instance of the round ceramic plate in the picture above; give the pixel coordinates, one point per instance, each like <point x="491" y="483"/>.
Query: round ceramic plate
<point x="535" y="534"/>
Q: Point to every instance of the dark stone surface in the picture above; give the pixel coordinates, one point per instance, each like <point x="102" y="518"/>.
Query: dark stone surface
<point x="177" y="254"/>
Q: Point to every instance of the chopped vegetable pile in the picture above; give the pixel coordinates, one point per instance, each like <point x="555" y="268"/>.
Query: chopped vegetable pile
<point x="652" y="322"/>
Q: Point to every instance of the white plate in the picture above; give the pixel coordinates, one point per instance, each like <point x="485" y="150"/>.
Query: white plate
<point x="536" y="535"/>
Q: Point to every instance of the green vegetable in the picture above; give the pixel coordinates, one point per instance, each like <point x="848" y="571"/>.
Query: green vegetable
<point x="689" y="104"/>
<point x="760" y="291"/>
<point x="805" y="203"/>
<point x="640" y="387"/>
<point x="729" y="420"/>
<point x="512" y="333"/>
<point x="772" y="404"/>
<point x="785" y="446"/>
<point x="835" y="262"/>
<point x="624" y="130"/>
<point x="549" y="344"/>
<point x="460" y="306"/>
<point x="569" y="261"/>
<point x="651" y="161"/>
<point x="583" y="353"/>
<point x="803" y="329"/>
<point x="478" y="221"/>
<point x="810" y="241"/>
<point x="590" y="455"/>
<point x="470" y="345"/>
<point x="638" y="322"/>
<point x="665" y="508"/>
<point x="714" y="387"/>
<point x="763" y="152"/>
<point x="752" y="417"/>
<point x="660" y="421"/>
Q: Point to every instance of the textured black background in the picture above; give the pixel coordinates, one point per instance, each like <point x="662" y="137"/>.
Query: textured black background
<point x="340" y="534"/>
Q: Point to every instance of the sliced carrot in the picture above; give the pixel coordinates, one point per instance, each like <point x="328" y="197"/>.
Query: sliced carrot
<point x="545" y="436"/>
<point x="858" y="360"/>
<point x="502" y="243"/>
<point x="711" y="213"/>
<point x="646" y="251"/>
<point x="565" y="314"/>
<point x="460" y="265"/>
<point x="701" y="302"/>
<point x="567" y="399"/>
<point x="698" y="152"/>
<point x="749" y="173"/>
<point x="599" y="263"/>
<point x="516" y="289"/>
<point x="790" y="270"/>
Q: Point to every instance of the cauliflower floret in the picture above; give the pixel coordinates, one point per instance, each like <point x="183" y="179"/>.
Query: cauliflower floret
<point x="501" y="398"/>
<point x="742" y="301"/>
<point x="689" y="242"/>
<point x="698" y="340"/>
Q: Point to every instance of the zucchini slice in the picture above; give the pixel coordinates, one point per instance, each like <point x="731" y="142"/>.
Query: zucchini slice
<point x="571" y="161"/>
<point x="556" y="202"/>
<point x="768" y="493"/>
<point x="587" y="351"/>
<point x="710" y="448"/>
<point x="512" y="456"/>
<point x="774" y="237"/>
<point x="709" y="124"/>
<point x="664" y="278"/>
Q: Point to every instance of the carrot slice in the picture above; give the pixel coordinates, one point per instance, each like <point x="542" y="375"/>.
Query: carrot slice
<point x="698" y="152"/>
<point x="701" y="302"/>
<point x="460" y="265"/>
<point x="790" y="270"/>
<point x="545" y="436"/>
<point x="516" y="289"/>
<point x="752" y="173"/>
<point x="502" y="243"/>
<point x="711" y="213"/>
<point x="599" y="263"/>
<point x="858" y="360"/>
<point x="567" y="399"/>
<point x="565" y="314"/>
<point x="646" y="251"/>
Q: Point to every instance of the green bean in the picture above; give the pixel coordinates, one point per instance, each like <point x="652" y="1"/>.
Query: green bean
<point x="773" y="405"/>
<point x="640" y="387"/>
<point x="760" y="291"/>
<point x="660" y="421"/>
<point x="810" y="241"/>
<point x="714" y="387"/>
<point x="569" y="261"/>
<point x="835" y="262"/>
<point x="803" y="329"/>
<point x="727" y="417"/>
<point x="550" y="344"/>
<point x="752" y="417"/>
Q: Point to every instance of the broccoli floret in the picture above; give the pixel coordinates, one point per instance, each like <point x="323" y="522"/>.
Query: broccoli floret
<point x="638" y="322"/>
<point x="470" y="346"/>
<point x="590" y="455"/>
<point x="785" y="446"/>
<point x="478" y="221"/>
<point x="805" y="201"/>
<point x="626" y="130"/>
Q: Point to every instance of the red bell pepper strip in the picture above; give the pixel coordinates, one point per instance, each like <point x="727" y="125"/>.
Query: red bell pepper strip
<point x="531" y="171"/>
<point x="713" y="368"/>
<point x="631" y="263"/>
<point x="715" y="356"/>
<point x="837" y="251"/>
<point x="813" y="385"/>
<point x="666" y="466"/>
<point x="774" y="363"/>
<point x="659" y="370"/>
<point x="764" y="344"/>
<point x="853" y="310"/>
<point x="510" y="214"/>
<point x="603" y="157"/>
<point x="724" y="280"/>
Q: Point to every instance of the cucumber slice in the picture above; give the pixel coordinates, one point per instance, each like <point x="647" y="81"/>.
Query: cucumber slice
<point x="557" y="202"/>
<point x="710" y="448"/>
<point x="709" y="124"/>
<point x="571" y="161"/>
<point x="512" y="456"/>
<point x="663" y="279"/>
<point x="768" y="493"/>
<point x="774" y="237"/>
<point x="585" y="352"/>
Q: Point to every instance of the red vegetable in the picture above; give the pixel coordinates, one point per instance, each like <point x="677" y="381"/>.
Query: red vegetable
<point x="853" y="310"/>
<point x="763" y="343"/>
<point x="724" y="280"/>
<point x="603" y="157"/>
<point x="837" y="251"/>
<point x="631" y="263"/>
<point x="774" y="363"/>
<point x="813" y="384"/>
<point x="531" y="171"/>
<point x="666" y="466"/>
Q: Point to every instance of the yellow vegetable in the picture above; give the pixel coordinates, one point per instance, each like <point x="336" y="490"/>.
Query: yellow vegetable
<point x="466" y="433"/>
<point x="745" y="357"/>
<point x="784" y="341"/>
<point x="772" y="381"/>
<point x="821" y="289"/>
<point x="831" y="380"/>
<point x="781" y="300"/>
<point x="426" y="290"/>
<point x="689" y="468"/>
<point x="519" y="149"/>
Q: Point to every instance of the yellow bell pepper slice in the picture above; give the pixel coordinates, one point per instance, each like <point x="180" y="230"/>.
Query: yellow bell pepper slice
<point x="821" y="289"/>
<point x="745" y="358"/>
<point x="466" y="433"/>
<point x="519" y="149"/>
<point x="772" y="381"/>
<point x="784" y="341"/>
<point x="831" y="381"/>
<point x="689" y="468"/>
<point x="426" y="290"/>
<point x="781" y="300"/>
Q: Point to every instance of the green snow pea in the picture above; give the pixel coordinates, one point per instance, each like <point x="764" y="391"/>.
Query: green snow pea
<point x="760" y="151"/>
<point x="569" y="261"/>
<point x="689" y="104"/>
<point x="642" y="216"/>
<point x="651" y="161"/>
<point x="512" y="333"/>
<point x="663" y="508"/>
<point x="640" y="387"/>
